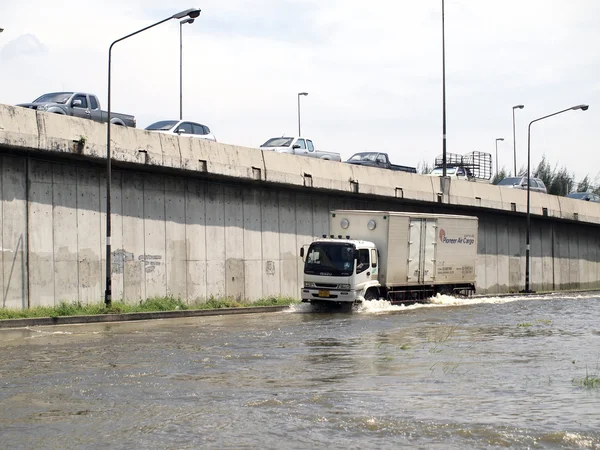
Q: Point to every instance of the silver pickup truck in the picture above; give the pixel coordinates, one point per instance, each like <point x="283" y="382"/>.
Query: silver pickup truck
<point x="78" y="104"/>
<point x="298" y="146"/>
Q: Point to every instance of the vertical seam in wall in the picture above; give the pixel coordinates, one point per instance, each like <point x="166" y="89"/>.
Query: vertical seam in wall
<point x="27" y="232"/>
<point x="241" y="191"/>
<point x="280" y="274"/>
<point x="204" y="189"/>
<point x="297" y="282"/>
<point x="262" y="247"/>
<point x="165" y="224"/>
<point x="143" y="268"/>
<point x="52" y="222"/>
<point x="122" y="242"/>
<point x="185" y="239"/>
<point x="77" y="231"/>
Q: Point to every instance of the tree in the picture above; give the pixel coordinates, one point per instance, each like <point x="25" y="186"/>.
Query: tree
<point x="499" y="176"/>
<point x="424" y="168"/>
<point x="557" y="181"/>
<point x="584" y="185"/>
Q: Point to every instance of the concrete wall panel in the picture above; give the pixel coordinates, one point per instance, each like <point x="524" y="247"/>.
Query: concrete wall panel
<point x="154" y="237"/>
<point x="14" y="233"/>
<point x="195" y="220"/>
<point x="126" y="258"/>
<point x="41" y="234"/>
<point x="253" y="264"/>
<point x="234" y="242"/>
<point x="288" y="248"/>
<point x="215" y="241"/>
<point x="270" y="243"/>
<point x="175" y="234"/>
<point x="89" y="237"/>
<point x="64" y="221"/>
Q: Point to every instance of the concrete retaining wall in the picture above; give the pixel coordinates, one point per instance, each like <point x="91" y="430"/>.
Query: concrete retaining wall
<point x="193" y="238"/>
<point x="195" y="219"/>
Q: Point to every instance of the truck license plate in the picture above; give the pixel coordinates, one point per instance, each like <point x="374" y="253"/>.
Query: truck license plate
<point x="323" y="293"/>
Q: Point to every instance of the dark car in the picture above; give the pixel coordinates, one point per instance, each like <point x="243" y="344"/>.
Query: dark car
<point x="587" y="196"/>
<point x="377" y="159"/>
<point x="537" y="185"/>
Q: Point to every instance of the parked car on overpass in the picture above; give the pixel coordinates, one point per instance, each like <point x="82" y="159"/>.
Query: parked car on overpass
<point x="378" y="159"/>
<point x="587" y="196"/>
<point x="298" y="146"/>
<point x="537" y="185"/>
<point x="78" y="104"/>
<point x="182" y="127"/>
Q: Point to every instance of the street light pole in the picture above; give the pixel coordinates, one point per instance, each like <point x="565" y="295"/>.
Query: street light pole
<point x="181" y="23"/>
<point x="299" y="94"/>
<point x="515" y="139"/>
<point x="497" y="139"/>
<point x="192" y="13"/>
<point x="443" y="95"/>
<point x="528" y="235"/>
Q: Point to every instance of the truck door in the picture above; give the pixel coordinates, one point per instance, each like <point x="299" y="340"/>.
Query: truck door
<point x="300" y="147"/>
<point x="421" y="250"/>
<point x="429" y="245"/>
<point x="80" y="107"/>
<point x="414" y="251"/>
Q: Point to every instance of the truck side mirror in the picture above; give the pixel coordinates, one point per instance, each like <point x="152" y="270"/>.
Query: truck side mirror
<point x="296" y="146"/>
<point x="77" y="103"/>
<point x="303" y="253"/>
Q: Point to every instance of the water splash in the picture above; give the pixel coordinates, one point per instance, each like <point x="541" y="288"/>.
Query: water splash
<point x="439" y="300"/>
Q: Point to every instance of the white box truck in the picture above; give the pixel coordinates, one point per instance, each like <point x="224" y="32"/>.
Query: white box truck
<point x="402" y="257"/>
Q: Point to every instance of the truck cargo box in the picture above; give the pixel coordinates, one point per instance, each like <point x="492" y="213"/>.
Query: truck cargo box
<point x="414" y="248"/>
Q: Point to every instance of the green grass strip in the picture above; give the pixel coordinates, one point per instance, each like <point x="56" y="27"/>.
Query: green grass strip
<point x="149" y="305"/>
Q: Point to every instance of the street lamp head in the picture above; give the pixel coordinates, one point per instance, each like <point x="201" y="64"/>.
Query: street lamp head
<point x="499" y="139"/>
<point x="192" y="13"/>
<point x="519" y="106"/>
<point x="183" y="22"/>
<point x="302" y="93"/>
<point x="1" y="30"/>
<point x="581" y="107"/>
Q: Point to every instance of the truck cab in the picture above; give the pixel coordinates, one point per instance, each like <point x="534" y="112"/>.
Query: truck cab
<point x="339" y="270"/>
<point x="297" y="145"/>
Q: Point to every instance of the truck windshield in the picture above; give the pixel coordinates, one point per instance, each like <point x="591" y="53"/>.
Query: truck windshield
<point x="363" y="157"/>
<point x="331" y="258"/>
<point x="163" y="125"/>
<point x="278" y="142"/>
<point x="54" y="97"/>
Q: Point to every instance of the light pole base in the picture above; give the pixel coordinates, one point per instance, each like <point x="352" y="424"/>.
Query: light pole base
<point x="527" y="291"/>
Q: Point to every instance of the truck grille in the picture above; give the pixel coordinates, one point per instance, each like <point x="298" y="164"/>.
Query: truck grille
<point x="326" y="285"/>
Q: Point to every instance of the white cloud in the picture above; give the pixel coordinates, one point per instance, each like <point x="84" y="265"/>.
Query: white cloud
<point x="373" y="71"/>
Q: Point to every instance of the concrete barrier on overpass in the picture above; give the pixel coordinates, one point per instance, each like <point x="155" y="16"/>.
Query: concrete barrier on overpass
<point x="195" y="219"/>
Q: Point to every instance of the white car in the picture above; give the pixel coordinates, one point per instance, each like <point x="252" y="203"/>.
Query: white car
<point x="182" y="127"/>
<point x="460" y="173"/>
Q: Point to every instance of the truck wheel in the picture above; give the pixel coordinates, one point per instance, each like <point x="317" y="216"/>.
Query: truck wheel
<point x="372" y="294"/>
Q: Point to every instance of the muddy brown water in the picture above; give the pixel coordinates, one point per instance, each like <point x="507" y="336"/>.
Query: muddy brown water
<point x="481" y="373"/>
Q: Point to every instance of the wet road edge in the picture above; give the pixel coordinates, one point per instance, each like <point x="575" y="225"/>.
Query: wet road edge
<point x="97" y="318"/>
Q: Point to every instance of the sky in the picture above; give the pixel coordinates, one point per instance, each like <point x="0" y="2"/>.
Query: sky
<point x="372" y="70"/>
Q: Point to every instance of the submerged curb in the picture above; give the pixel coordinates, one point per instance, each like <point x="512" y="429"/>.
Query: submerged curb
<point x="67" y="320"/>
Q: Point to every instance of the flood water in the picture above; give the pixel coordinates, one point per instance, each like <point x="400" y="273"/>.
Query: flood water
<point x="454" y="374"/>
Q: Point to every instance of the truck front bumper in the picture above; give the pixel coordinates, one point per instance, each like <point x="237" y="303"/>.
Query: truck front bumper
<point x="329" y="295"/>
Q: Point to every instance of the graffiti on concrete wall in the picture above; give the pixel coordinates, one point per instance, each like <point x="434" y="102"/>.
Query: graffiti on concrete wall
<point x="121" y="256"/>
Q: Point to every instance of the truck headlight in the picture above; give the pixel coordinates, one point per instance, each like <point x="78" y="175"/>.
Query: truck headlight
<point x="42" y="107"/>
<point x="343" y="286"/>
<point x="308" y="284"/>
